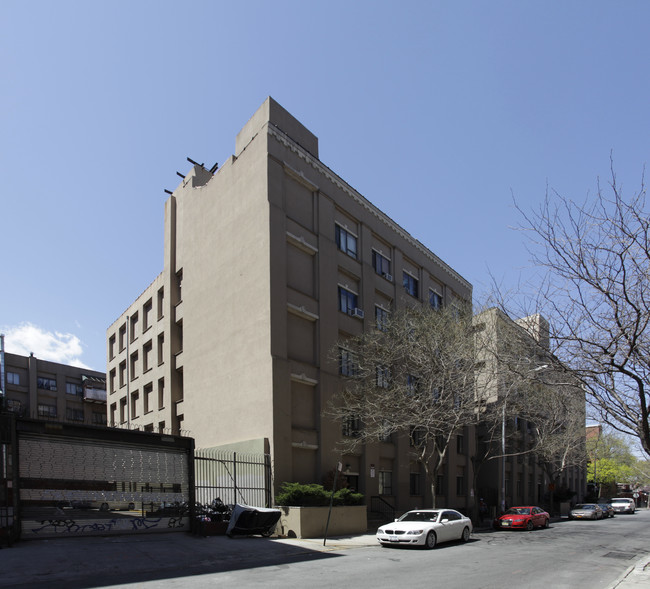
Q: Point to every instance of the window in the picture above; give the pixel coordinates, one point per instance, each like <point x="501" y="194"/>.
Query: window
<point x="451" y="516"/>
<point x="385" y="482"/>
<point x="44" y="410"/>
<point x="347" y="362"/>
<point x="410" y="284"/>
<point x="161" y="427"/>
<point x="122" y="373"/>
<point x="146" y="356"/>
<point x="48" y="384"/>
<point x="414" y="484"/>
<point x="460" y="484"/>
<point x="99" y="418"/>
<point x="161" y="393"/>
<point x="161" y="343"/>
<point x="72" y="388"/>
<point x="73" y="414"/>
<point x="146" y="397"/>
<point x="134" y="365"/>
<point x="13" y="405"/>
<point x="386" y="435"/>
<point x="179" y="286"/>
<point x="123" y="410"/>
<point x="417" y="437"/>
<point x="348" y="301"/>
<point x="381" y="264"/>
<point x="161" y="303"/>
<point x="147" y="312"/>
<point x="134" y="327"/>
<point x="122" y="335"/>
<point x="135" y="395"/>
<point x="111" y="347"/>
<point x="460" y="443"/>
<point x="383" y="376"/>
<point x="381" y="318"/>
<point x="13" y="378"/>
<point x="346" y="242"/>
<point x="411" y="384"/>
<point x="435" y="300"/>
<point x="113" y="413"/>
<point x="351" y="427"/>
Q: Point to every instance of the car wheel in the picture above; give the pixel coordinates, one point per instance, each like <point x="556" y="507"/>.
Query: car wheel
<point x="547" y="523"/>
<point x="465" y="536"/>
<point x="131" y="506"/>
<point x="103" y="507"/>
<point x="529" y="525"/>
<point x="430" y="542"/>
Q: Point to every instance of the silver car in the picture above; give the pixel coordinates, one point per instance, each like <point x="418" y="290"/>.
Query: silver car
<point x="586" y="511"/>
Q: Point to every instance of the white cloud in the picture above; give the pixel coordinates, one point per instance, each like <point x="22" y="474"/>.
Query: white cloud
<point x="64" y="348"/>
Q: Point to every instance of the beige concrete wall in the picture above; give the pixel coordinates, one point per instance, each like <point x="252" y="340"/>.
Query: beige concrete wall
<point x="223" y="227"/>
<point x="311" y="522"/>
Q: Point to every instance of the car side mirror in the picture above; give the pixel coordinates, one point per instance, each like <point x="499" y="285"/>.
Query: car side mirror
<point x="444" y="521"/>
<point x="397" y="519"/>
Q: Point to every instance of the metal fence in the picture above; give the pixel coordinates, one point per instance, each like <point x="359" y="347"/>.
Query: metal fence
<point x="232" y="477"/>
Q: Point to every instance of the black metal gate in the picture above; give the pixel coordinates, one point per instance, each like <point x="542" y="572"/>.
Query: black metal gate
<point x="232" y="477"/>
<point x="8" y="496"/>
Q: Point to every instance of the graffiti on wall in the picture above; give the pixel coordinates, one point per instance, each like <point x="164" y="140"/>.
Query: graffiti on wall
<point x="68" y="526"/>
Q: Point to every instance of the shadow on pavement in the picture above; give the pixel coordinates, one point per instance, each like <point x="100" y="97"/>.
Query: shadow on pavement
<point x="76" y="563"/>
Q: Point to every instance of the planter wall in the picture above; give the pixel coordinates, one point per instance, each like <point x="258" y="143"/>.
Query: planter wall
<point x="310" y="522"/>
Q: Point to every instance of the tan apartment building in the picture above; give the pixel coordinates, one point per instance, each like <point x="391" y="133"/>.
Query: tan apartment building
<point x="268" y="263"/>
<point x="517" y="479"/>
<point x="48" y="390"/>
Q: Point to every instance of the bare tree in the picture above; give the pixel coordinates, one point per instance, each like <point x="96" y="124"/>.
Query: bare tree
<point x="596" y="294"/>
<point x="416" y="376"/>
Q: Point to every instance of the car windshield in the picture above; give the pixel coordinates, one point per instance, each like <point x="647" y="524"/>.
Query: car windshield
<point x="419" y="516"/>
<point x="620" y="500"/>
<point x="585" y="507"/>
<point x="518" y="511"/>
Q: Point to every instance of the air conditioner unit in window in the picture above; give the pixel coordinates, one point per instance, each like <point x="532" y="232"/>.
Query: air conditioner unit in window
<point x="356" y="312"/>
<point x="388" y="277"/>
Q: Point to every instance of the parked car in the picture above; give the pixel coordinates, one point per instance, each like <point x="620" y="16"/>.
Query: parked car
<point x="586" y="511"/>
<point x="608" y="510"/>
<point x="110" y="505"/>
<point x="623" y="504"/>
<point x="426" y="528"/>
<point x="523" y="518"/>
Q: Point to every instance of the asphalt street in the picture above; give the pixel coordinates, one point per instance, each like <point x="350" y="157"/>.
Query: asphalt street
<point x="571" y="554"/>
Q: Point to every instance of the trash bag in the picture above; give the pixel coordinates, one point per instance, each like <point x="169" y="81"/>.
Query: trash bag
<point x="248" y="521"/>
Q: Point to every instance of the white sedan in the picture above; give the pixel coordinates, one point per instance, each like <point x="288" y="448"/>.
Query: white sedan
<point x="425" y="527"/>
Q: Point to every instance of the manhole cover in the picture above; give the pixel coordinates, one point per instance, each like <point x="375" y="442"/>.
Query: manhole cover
<point x="625" y="555"/>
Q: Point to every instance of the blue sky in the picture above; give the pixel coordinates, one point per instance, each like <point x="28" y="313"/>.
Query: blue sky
<point x="437" y="112"/>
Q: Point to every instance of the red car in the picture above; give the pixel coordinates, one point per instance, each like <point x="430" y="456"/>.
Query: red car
<point x="522" y="518"/>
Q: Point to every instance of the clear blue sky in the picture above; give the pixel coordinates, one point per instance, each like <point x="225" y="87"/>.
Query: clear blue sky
<point x="437" y="112"/>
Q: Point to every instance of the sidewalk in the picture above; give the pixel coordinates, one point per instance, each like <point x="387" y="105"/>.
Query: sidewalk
<point x="636" y="577"/>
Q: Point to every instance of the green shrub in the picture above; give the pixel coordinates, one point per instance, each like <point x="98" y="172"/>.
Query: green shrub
<point x="312" y="495"/>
